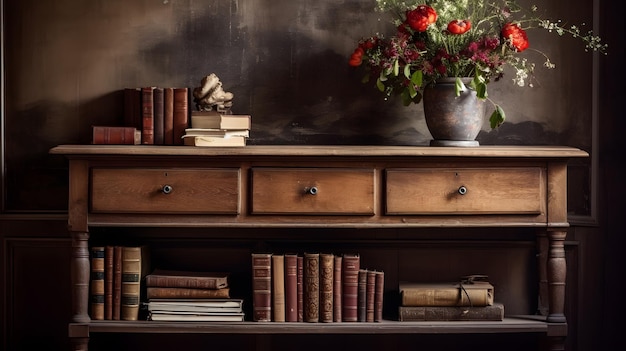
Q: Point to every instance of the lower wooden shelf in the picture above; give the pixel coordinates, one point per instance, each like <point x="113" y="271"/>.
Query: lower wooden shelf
<point x="514" y="324"/>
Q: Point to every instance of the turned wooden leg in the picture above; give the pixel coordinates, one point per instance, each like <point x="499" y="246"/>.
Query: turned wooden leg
<point x="556" y="276"/>
<point x="80" y="277"/>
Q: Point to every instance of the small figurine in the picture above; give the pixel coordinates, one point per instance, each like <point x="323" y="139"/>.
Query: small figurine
<point x="210" y="96"/>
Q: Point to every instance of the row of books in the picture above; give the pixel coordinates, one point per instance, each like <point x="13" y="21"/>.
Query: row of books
<point x="211" y="128"/>
<point x="470" y="299"/>
<point x="315" y="287"/>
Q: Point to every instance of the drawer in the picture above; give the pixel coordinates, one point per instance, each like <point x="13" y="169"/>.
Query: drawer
<point x="312" y="191"/>
<point x="117" y="190"/>
<point x="465" y="191"/>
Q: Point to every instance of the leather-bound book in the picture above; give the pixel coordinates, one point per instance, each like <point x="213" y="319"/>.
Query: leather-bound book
<point x="181" y="114"/>
<point x="300" y="289"/>
<point x="262" y="287"/>
<point x="378" y="296"/>
<point x="291" y="287"/>
<point x="350" y="281"/>
<point x="311" y="287"/>
<point x="327" y="271"/>
<point x="158" y="105"/>
<point x="132" y="262"/>
<point x="186" y="293"/>
<point x="493" y="312"/>
<point x="147" y="114"/>
<point x="362" y="295"/>
<point x="337" y="289"/>
<point x="278" y="288"/>
<point x="109" y="253"/>
<point x="370" y="295"/>
<point x="97" y="283"/>
<point x="117" y="282"/>
<point x="115" y="135"/>
<point x="187" y="279"/>
<point x="446" y="294"/>
<point x="168" y="116"/>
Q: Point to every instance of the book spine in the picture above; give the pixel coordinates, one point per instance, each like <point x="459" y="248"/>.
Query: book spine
<point x="181" y="114"/>
<point x="350" y="281"/>
<point x="337" y="289"/>
<point x="493" y="312"/>
<point x="158" y="105"/>
<point x="378" y="296"/>
<point x="327" y="271"/>
<point x="311" y="287"/>
<point x="261" y="287"/>
<point x="147" y="105"/>
<point x="108" y="282"/>
<point x="300" y="287"/>
<point x="117" y="281"/>
<point x="131" y="279"/>
<point x="291" y="287"/>
<point x="186" y="293"/>
<point x="168" y="116"/>
<point x="370" y="294"/>
<point x="446" y="297"/>
<point x="362" y="293"/>
<point x="132" y="108"/>
<point x="111" y="135"/>
<point x="97" y="282"/>
<point x="170" y="281"/>
<point x="278" y="288"/>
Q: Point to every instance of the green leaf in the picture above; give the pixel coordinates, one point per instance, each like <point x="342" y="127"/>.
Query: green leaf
<point x="417" y="78"/>
<point x="407" y="71"/>
<point x="497" y="117"/>
<point x="396" y="68"/>
<point x="459" y="87"/>
<point x="481" y="91"/>
<point x="412" y="91"/>
<point x="383" y="76"/>
<point x="380" y="85"/>
<point x="406" y="99"/>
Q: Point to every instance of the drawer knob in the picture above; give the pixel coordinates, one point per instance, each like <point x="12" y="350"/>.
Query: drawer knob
<point x="167" y="189"/>
<point x="462" y="190"/>
<point x="312" y="190"/>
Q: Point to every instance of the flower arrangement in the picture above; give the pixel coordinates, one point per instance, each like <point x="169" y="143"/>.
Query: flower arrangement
<point x="456" y="38"/>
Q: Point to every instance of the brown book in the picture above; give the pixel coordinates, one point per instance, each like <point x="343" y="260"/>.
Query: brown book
<point x="300" y="289"/>
<point x="187" y="279"/>
<point x="114" y="135"/>
<point x="117" y="282"/>
<point x="311" y="287"/>
<point x="378" y="296"/>
<point x="446" y="294"/>
<point x="337" y="289"/>
<point x="211" y="141"/>
<point x="370" y="295"/>
<point x="133" y="270"/>
<point x="291" y="287"/>
<point x="168" y="116"/>
<point x="278" y="288"/>
<point x="350" y="283"/>
<point x="362" y="295"/>
<point x="97" y="283"/>
<point x="147" y="114"/>
<point x="262" y="287"/>
<point x="493" y="312"/>
<point x="109" y="253"/>
<point x="181" y="114"/>
<point x="327" y="271"/>
<point x="159" y="122"/>
<point x="186" y="293"/>
<point x="132" y="108"/>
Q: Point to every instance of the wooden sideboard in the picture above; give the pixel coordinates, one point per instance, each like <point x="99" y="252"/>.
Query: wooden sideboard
<point x="326" y="188"/>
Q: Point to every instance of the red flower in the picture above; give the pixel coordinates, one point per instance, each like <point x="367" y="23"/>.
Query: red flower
<point x="420" y="18"/>
<point x="459" y="26"/>
<point x="516" y="35"/>
<point x="357" y="57"/>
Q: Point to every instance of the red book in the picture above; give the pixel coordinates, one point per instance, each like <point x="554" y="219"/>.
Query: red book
<point x="337" y="289"/>
<point x="361" y="298"/>
<point x="369" y="296"/>
<point x="181" y="114"/>
<point x="311" y="287"/>
<point x="147" y="114"/>
<point x="117" y="282"/>
<point x="108" y="282"/>
<point x="350" y="281"/>
<point x="262" y="287"/>
<point x="327" y="271"/>
<point x="278" y="288"/>
<point x="378" y="296"/>
<point x="300" y="289"/>
<point x="168" y="116"/>
<point x="291" y="287"/>
<point x="159" y="121"/>
<point x="113" y="135"/>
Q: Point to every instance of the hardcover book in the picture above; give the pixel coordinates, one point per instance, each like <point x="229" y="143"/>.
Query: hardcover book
<point x="147" y="108"/>
<point x="222" y="133"/>
<point x="153" y="292"/>
<point x="369" y="296"/>
<point x="168" y="116"/>
<point x="378" y="296"/>
<point x="210" y="141"/>
<point x="494" y="312"/>
<point x="183" y="317"/>
<point x="300" y="289"/>
<point x="327" y="271"/>
<point x="159" y="116"/>
<point x="361" y="299"/>
<point x="181" y="114"/>
<point x="337" y="289"/>
<point x="262" y="287"/>
<point x="446" y="294"/>
<point x="311" y="287"/>
<point x="291" y="287"/>
<point x="278" y="288"/>
<point x="197" y="302"/>
<point x="109" y="253"/>
<point x="117" y="282"/>
<point x="350" y="281"/>
<point x="187" y="279"/>
<point x="114" y="135"/>
<point x="215" y="120"/>
<point x="134" y="262"/>
<point x="97" y="282"/>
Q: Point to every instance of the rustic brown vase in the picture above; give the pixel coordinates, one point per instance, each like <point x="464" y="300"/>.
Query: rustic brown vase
<point x="452" y="120"/>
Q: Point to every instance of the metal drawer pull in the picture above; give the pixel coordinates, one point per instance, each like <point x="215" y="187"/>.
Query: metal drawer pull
<point x="462" y="190"/>
<point x="312" y="190"/>
<point x="167" y="189"/>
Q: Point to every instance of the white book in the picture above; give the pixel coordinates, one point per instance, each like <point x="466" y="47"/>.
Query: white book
<point x="220" y="303"/>
<point x="235" y="317"/>
<point x="225" y="133"/>
<point x="211" y="141"/>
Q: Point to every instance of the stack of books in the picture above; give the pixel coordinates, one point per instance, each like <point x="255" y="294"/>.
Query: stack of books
<point x="315" y="287"/>
<point x="190" y="296"/>
<point x="462" y="301"/>
<point x="210" y="128"/>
